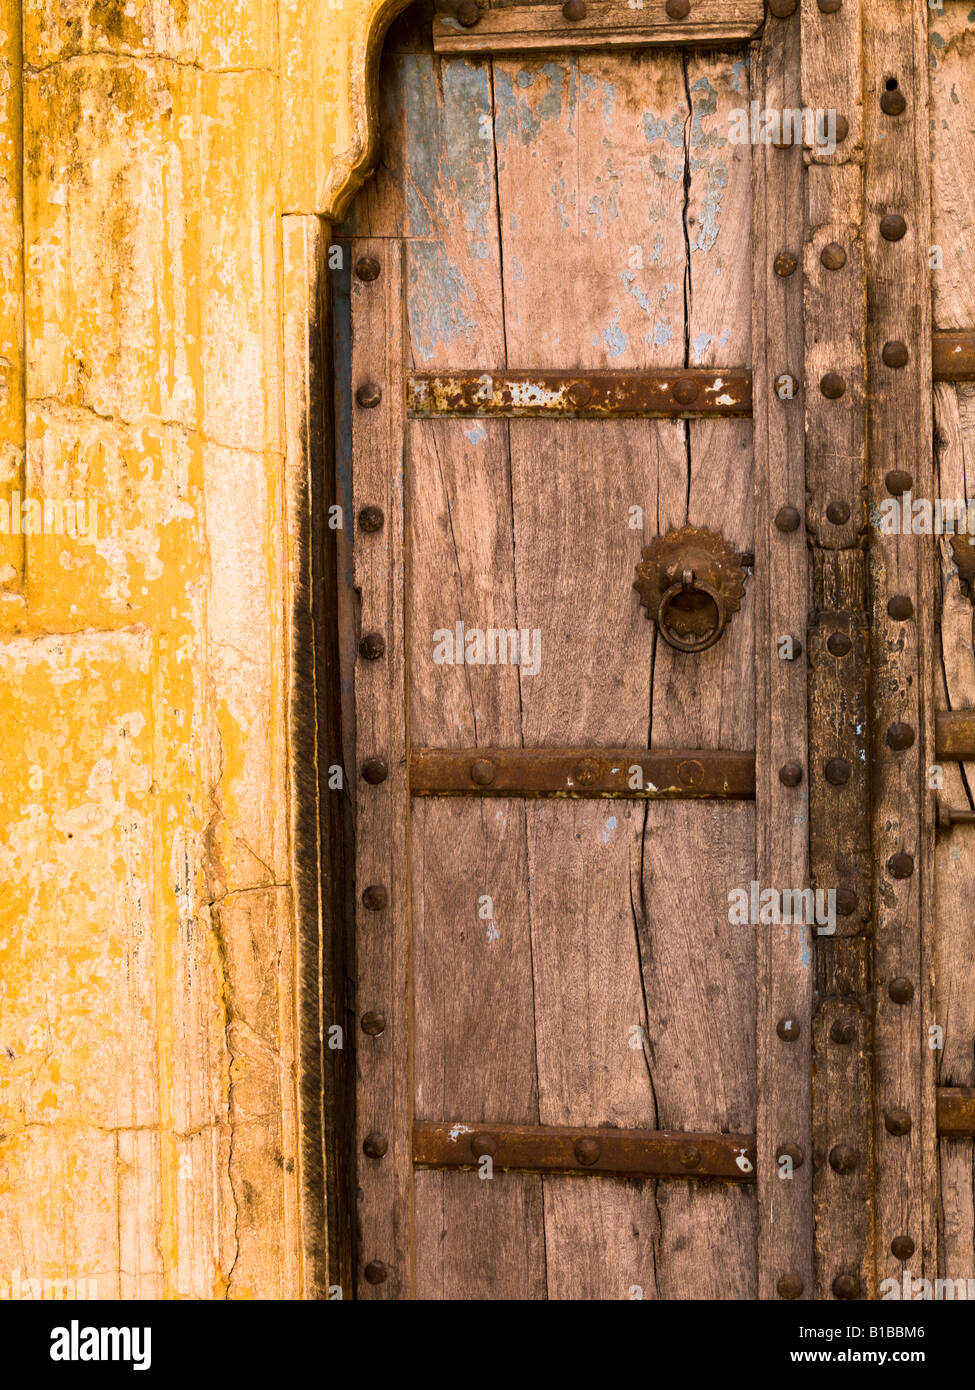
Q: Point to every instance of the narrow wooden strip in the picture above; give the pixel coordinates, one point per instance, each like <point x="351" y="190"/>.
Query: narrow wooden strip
<point x="955" y="733"/>
<point x="953" y="356"/>
<point x="956" y="1112"/>
<point x="605" y="25"/>
<point x="636" y="1153"/>
<point x="635" y="774"/>
<point x="583" y="395"/>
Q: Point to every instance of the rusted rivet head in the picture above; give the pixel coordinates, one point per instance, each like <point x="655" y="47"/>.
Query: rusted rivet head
<point x="900" y="865"/>
<point x="586" y="1151"/>
<point x="892" y="102"/>
<point x="790" y="774"/>
<point x="783" y="8"/>
<point x="790" y="1151"/>
<point x="789" y="1286"/>
<point x="829" y="6"/>
<point x="375" y="897"/>
<point x="788" y="1029"/>
<point x="482" y="1144"/>
<point x="897" y="481"/>
<point x="837" y="771"/>
<point x="846" y="1287"/>
<point x="892" y="226"/>
<point x="585" y="772"/>
<point x="838" y="513"/>
<point x="373" y="1024"/>
<point x="372" y="646"/>
<point x="897" y="1122"/>
<point x="901" y="990"/>
<point x="369" y="396"/>
<point x="895" y="354"/>
<point x="844" y="1029"/>
<point x="574" y="10"/>
<point x="843" y="1158"/>
<point x="371" y="519"/>
<point x="833" y="256"/>
<point x="678" y="9"/>
<point x="483" y="771"/>
<point x="787" y="519"/>
<point x="579" y="394"/>
<point x="900" y="608"/>
<point x="784" y="264"/>
<point x="375" y="770"/>
<point x="376" y="1272"/>
<point x="375" y="1145"/>
<point x="689" y="1156"/>
<point x="468" y="13"/>
<point x="832" y="386"/>
<point x="690" y="772"/>
<point x="846" y="902"/>
<point x="686" y="391"/>
<point x="900" y="736"/>
<point x="902" y="1247"/>
<point x="838" y="644"/>
<point x="367" y="268"/>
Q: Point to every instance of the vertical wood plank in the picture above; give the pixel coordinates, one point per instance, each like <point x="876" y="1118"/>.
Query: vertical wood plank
<point x="383" y="1002"/>
<point x="781" y="602"/>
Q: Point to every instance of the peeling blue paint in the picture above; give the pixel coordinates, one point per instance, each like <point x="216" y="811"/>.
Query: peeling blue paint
<point x="634" y="290"/>
<point x="739" y="76"/>
<point x="436" y="291"/>
<point x="614" y="337"/>
<point x="476" y="434"/>
<point x="662" y="333"/>
<point x="701" y="344"/>
<point x="656" y="128"/>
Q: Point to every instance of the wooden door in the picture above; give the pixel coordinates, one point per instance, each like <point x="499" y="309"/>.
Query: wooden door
<point x="579" y="317"/>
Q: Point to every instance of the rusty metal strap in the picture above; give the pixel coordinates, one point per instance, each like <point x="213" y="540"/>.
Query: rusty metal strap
<point x="585" y="395"/>
<point x="633" y="1153"/>
<point x="635" y="774"/>
<point x="954" y="735"/>
<point x="953" y="356"/>
<point x="956" y="1112"/>
<point x="594" y="24"/>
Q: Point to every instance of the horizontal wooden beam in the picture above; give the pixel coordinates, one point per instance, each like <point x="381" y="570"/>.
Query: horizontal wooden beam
<point x="632" y="774"/>
<point x="691" y="392"/>
<point x="953" y="356"/>
<point x="520" y="28"/>
<point x="632" y="1153"/>
<point x="954" y="733"/>
<point x="956" y="1112"/>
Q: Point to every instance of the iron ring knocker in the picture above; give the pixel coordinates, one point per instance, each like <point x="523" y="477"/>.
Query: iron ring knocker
<point x="690" y="581"/>
<point x="670" y="631"/>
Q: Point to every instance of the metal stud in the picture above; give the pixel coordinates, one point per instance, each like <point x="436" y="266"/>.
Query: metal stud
<point x="900" y="865"/>
<point x="902" y="1247"/>
<point x="789" y="1286"/>
<point x="678" y="9"/>
<point x="574" y="10"/>
<point x="900" y="608"/>
<point x="897" y="1122"/>
<point x="843" y="1158"/>
<point x="892" y="226"/>
<point x="482" y="1144"/>
<point x="897" y="482"/>
<point x="838" y="513"/>
<point x="792" y="1151"/>
<point x="838" y="644"/>
<point x="586" y="1151"/>
<point x="367" y="268"/>
<point x="837" y="771"/>
<point x="788" y="1029"/>
<point x="782" y="9"/>
<point x="369" y="396"/>
<point x="483" y="771"/>
<point x="689" y="1156"/>
<point x="585" y="772"/>
<point x="832" y="386"/>
<point x="686" y="391"/>
<point x="844" y="1030"/>
<point x="371" y="519"/>
<point x="376" y="1272"/>
<point x="846" y="902"/>
<point x="901" y="990"/>
<point x="375" y="897"/>
<point x="787" y="519"/>
<point x="895" y="354"/>
<point x="468" y="13"/>
<point x="833" y="256"/>
<point x="373" y="1024"/>
<point x="372" y="646"/>
<point x="900" y="736"/>
<point x="784" y="264"/>
<point x="846" y="1287"/>
<point x="829" y="6"/>
<point x="892" y="102"/>
<point x="579" y="394"/>
<point x="790" y="774"/>
<point x="842" y="129"/>
<point x="375" y="770"/>
<point x="375" y="1145"/>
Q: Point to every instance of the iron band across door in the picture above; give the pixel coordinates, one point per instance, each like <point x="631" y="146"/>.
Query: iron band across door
<point x="636" y="774"/>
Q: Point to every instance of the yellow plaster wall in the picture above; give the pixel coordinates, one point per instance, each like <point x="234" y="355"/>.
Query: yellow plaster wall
<point x="164" y="169"/>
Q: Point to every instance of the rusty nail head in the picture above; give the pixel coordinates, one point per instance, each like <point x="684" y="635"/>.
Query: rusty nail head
<point x="832" y="386"/>
<point x="783" y="8"/>
<point x="678" y="9"/>
<point x="371" y="519"/>
<point x="792" y="1151"/>
<point x="838" y="644"/>
<point x="900" y="736"/>
<point x="843" y="1158"/>
<point x="482" y="1144"/>
<point x="686" y="391"/>
<point x="789" y="1286"/>
<point x="689" y="1156"/>
<point x="372" y="646"/>
<point x="900" y="608"/>
<point x="842" y="129"/>
<point x="897" y="1122"/>
<point x="829" y="6"/>
<point x="367" y="268"/>
<point x="690" y="773"/>
<point x="902" y="1247"/>
<point x="375" y="770"/>
<point x="788" y="1029"/>
<point x="376" y="1272"/>
<point x="833" y="256"/>
<point x="900" y="865"/>
<point x="838" y="513"/>
<point x="895" y="354"/>
<point x="787" y="519"/>
<point x="837" y="771"/>
<point x="579" y="393"/>
<point x="846" y="1286"/>
<point x="893" y="102"/>
<point x="898" y="481"/>
<point x="375" y="897"/>
<point x="586" y="1151"/>
<point x="846" y="902"/>
<point x="369" y="396"/>
<point x="375" y="1145"/>
<point x="483" y="771"/>
<point x="574" y="10"/>
<point x="901" y="990"/>
<point x="373" y="1024"/>
<point x="844" y="1030"/>
<point x="468" y="13"/>
<point x="790" y="774"/>
<point x="893" y="226"/>
<point x="784" y="264"/>
<point x="585" y="771"/>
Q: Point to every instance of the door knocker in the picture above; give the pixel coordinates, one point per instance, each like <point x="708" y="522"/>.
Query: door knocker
<point x="690" y="581"/>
